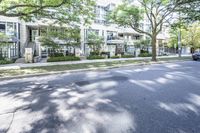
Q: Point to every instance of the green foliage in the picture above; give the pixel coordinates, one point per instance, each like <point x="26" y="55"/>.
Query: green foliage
<point x="126" y="15"/>
<point x="3" y="39"/>
<point x="127" y="56"/>
<point x="94" y="53"/>
<point x="145" y="55"/>
<point x="95" y="41"/>
<point x="49" y="42"/>
<point x="66" y="36"/>
<point x="66" y="11"/>
<point x="190" y="35"/>
<point x="144" y="43"/>
<point x="4" y="61"/>
<point x="64" y="58"/>
<point x="115" y="57"/>
<point x="56" y="55"/>
<point x="94" y="57"/>
<point x="191" y="11"/>
<point x="105" y="53"/>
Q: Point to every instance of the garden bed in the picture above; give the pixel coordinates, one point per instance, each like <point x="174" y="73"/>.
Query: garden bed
<point x="63" y="58"/>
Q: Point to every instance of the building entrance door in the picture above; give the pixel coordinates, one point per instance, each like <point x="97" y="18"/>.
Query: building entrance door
<point x="34" y="34"/>
<point x="119" y="49"/>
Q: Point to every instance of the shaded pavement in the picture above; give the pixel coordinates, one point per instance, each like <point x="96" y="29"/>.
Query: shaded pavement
<point x="162" y="98"/>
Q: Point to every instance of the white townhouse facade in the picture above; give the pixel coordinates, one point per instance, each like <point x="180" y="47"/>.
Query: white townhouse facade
<point x="116" y="39"/>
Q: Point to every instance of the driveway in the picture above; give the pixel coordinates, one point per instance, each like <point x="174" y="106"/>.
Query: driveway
<point x="162" y="98"/>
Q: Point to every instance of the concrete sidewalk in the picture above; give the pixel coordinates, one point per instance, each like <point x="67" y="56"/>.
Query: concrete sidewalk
<point x="23" y="65"/>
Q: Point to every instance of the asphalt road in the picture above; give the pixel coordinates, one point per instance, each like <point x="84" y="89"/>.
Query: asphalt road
<point x="161" y="98"/>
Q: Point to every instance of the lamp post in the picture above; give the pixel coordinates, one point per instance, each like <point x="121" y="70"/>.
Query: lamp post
<point x="179" y="43"/>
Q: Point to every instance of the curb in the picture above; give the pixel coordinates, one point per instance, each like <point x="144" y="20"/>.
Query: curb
<point x="19" y="66"/>
<point x="88" y="69"/>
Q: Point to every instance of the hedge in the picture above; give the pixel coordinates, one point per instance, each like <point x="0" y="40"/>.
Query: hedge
<point x="94" y="53"/>
<point x="145" y="55"/>
<point x="64" y="58"/>
<point x="127" y="56"/>
<point x="56" y="55"/>
<point x="5" y="62"/>
<point x="115" y="57"/>
<point x="93" y="57"/>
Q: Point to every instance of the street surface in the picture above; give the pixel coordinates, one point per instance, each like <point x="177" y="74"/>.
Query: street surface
<point x="162" y="98"/>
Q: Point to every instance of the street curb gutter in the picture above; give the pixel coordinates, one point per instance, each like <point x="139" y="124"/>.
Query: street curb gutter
<point x="88" y="69"/>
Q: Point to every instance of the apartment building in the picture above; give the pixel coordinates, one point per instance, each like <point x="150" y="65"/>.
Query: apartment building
<point x="116" y="39"/>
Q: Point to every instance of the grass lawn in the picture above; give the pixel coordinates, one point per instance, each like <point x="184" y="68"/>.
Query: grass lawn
<point x="56" y="68"/>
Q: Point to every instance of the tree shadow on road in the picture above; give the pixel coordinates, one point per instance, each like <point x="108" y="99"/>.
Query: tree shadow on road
<point x="143" y="99"/>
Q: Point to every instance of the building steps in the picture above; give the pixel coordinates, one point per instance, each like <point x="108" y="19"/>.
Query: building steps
<point x="20" y="60"/>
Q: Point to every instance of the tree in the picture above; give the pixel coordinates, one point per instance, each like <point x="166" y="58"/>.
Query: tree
<point x="95" y="41"/>
<point x="60" y="10"/>
<point x="69" y="37"/>
<point x="191" y="11"/>
<point x="175" y="28"/>
<point x="190" y="35"/>
<point x="157" y="12"/>
<point x="143" y="44"/>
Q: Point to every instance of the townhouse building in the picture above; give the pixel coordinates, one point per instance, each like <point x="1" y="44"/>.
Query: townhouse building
<point x="116" y="39"/>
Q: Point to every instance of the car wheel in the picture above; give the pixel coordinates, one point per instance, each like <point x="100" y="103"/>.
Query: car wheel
<point x="194" y="59"/>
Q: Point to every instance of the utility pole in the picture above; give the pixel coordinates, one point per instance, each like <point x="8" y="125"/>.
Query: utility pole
<point x="179" y="38"/>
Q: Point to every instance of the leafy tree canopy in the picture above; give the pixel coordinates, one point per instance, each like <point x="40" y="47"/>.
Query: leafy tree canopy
<point x="191" y="11"/>
<point x="61" y="10"/>
<point x="95" y="41"/>
<point x="66" y="36"/>
<point x="190" y="36"/>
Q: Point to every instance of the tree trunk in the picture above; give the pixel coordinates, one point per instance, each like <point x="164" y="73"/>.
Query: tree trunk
<point x="154" y="50"/>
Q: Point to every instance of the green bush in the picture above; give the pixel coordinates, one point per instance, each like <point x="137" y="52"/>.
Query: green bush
<point x="2" y="58"/>
<point x="5" y="62"/>
<point x="127" y="56"/>
<point x="145" y="55"/>
<point x="56" y="55"/>
<point x="94" y="53"/>
<point x="143" y="51"/>
<point x="64" y="58"/>
<point x="105" y="53"/>
<point x="115" y="57"/>
<point x="93" y="57"/>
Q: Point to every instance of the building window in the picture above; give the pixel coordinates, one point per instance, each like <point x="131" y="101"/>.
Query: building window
<point x="2" y="28"/>
<point x="10" y="29"/>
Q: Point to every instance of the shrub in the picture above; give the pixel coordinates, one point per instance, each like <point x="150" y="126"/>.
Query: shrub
<point x="143" y="51"/>
<point x="106" y="53"/>
<point x="64" y="58"/>
<point x="94" y="53"/>
<point x="5" y="62"/>
<point x="93" y="57"/>
<point x="2" y="58"/>
<point x="56" y="55"/>
<point x="145" y="55"/>
<point x="115" y="57"/>
<point x="127" y="56"/>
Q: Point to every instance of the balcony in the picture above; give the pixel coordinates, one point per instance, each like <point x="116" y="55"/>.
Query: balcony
<point x="113" y="40"/>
